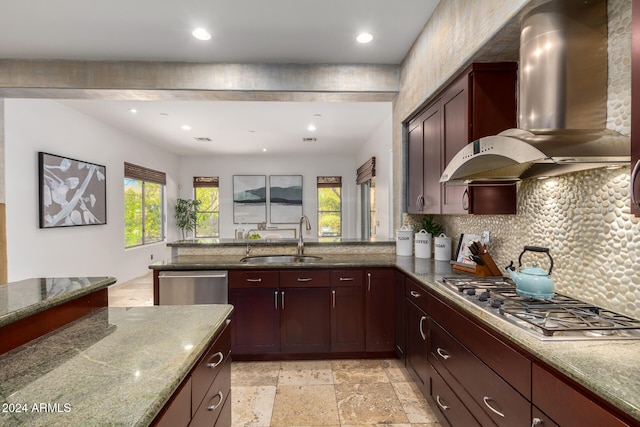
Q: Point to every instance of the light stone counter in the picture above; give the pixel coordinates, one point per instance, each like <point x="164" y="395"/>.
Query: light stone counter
<point x="19" y="300"/>
<point x="116" y="366"/>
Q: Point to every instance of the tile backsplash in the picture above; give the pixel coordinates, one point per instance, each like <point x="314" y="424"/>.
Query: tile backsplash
<point x="585" y="221"/>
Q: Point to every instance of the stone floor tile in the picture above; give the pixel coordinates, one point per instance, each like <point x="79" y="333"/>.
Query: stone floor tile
<point x="375" y="403"/>
<point x="305" y="372"/>
<point x="252" y="406"/>
<point x="358" y="372"/>
<point x="305" y="405"/>
<point x="413" y="403"/>
<point x="396" y="371"/>
<point x="255" y="373"/>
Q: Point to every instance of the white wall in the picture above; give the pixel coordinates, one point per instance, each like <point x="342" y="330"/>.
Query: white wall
<point x="45" y="125"/>
<point x="309" y="167"/>
<point x="379" y="146"/>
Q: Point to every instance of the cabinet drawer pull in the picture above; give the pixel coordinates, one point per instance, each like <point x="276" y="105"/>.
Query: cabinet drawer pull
<point x="282" y="300"/>
<point x="536" y="422"/>
<point x="465" y="200"/>
<point x="443" y="353"/>
<point x="486" y="400"/>
<point x="214" y="407"/>
<point x="368" y="281"/>
<point x="424" y="336"/>
<point x="333" y="299"/>
<point x="212" y="364"/>
<point x="440" y="404"/>
<point x="254" y="280"/>
<point x="346" y="279"/>
<point x="276" y="298"/>
<point x="304" y="279"/>
<point x="415" y="294"/>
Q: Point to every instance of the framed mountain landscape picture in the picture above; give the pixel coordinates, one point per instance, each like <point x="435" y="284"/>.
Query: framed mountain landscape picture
<point x="249" y="199"/>
<point x="285" y="198"/>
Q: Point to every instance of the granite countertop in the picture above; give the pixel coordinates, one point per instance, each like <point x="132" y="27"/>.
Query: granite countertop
<point x="609" y="368"/>
<point x="25" y="298"/>
<point x="116" y="366"/>
<point x="218" y="242"/>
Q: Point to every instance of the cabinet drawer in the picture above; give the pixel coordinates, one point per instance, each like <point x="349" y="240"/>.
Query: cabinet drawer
<point x="214" y="401"/>
<point x="448" y="403"/>
<point x="253" y="278"/>
<point x="504" y="405"/>
<point x="346" y="277"/>
<point x="510" y="364"/>
<point x="177" y="413"/>
<point x="567" y="405"/>
<point x="304" y="278"/>
<point x="416" y="294"/>
<point x="209" y="367"/>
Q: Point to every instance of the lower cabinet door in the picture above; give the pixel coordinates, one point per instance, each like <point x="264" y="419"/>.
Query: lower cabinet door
<point x="347" y="319"/>
<point x="416" y="344"/>
<point x="255" y="325"/>
<point x="448" y="404"/>
<point x="305" y="320"/>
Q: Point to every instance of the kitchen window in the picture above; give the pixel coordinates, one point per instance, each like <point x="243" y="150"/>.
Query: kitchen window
<point x="329" y="206"/>
<point x="143" y="205"/>
<point x="366" y="179"/>
<point x="205" y="189"/>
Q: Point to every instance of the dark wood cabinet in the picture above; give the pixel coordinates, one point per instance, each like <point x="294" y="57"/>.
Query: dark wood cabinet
<point x="417" y="326"/>
<point x="568" y="406"/>
<point x="401" y="318"/>
<point x="480" y="102"/>
<point x="635" y="107"/>
<point x="423" y="168"/>
<point x="255" y="296"/>
<point x="380" y="310"/>
<point x="449" y="407"/>
<point x="347" y="311"/>
<point x="305" y="320"/>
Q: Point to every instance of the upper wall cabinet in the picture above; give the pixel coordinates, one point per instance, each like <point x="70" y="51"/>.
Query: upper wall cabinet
<point x="480" y="102"/>
<point x="635" y="108"/>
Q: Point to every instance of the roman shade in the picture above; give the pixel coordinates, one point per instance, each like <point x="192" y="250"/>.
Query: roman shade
<point x="144" y="174"/>
<point x="329" y="181"/>
<point x="366" y="171"/>
<point x="206" y="181"/>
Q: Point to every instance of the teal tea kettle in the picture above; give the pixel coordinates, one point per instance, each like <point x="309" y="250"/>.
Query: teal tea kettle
<point x="532" y="282"/>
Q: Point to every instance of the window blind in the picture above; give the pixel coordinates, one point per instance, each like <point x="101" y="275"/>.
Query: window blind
<point x="329" y="181"/>
<point x="366" y="171"/>
<point x="206" y="181"/>
<point x="145" y="174"/>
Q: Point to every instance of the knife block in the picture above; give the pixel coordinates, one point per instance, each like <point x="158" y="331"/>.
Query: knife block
<point x="489" y="267"/>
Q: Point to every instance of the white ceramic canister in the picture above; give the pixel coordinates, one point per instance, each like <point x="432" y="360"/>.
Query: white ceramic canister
<point x="442" y="248"/>
<point x="422" y="243"/>
<point x="404" y="241"/>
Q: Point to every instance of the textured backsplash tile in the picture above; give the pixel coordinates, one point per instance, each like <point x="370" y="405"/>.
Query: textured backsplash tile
<point x="585" y="221"/>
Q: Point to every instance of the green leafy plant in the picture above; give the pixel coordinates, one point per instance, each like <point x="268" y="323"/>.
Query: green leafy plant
<point x="186" y="215"/>
<point x="430" y="226"/>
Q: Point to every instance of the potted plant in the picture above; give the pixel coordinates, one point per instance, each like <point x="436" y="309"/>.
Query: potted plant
<point x="430" y="227"/>
<point x="186" y="215"/>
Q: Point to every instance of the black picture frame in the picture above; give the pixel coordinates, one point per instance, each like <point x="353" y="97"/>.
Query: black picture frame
<point x="71" y="192"/>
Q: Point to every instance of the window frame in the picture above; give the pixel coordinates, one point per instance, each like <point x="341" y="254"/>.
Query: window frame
<point x="207" y="182"/>
<point x="328" y="182"/>
<point x="146" y="176"/>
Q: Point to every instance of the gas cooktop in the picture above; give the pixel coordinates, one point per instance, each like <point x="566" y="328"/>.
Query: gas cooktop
<point x="559" y="318"/>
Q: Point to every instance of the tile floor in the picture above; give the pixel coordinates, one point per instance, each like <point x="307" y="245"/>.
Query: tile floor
<point x="310" y="393"/>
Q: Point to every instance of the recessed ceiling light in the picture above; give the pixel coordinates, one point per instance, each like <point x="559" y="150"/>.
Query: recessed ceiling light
<point x="201" y="34"/>
<point x="311" y="127"/>
<point x="317" y="115"/>
<point x="133" y="110"/>
<point x="264" y="150"/>
<point x="364" y="38"/>
<point x="186" y="127"/>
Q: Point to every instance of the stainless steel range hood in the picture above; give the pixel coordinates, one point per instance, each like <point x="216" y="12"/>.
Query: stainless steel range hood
<point x="562" y="102"/>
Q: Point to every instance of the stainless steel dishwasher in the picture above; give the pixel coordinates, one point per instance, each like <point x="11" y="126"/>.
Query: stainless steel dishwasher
<point x="192" y="287"/>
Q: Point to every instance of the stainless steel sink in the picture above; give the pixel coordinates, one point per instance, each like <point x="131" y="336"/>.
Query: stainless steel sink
<point x="267" y="259"/>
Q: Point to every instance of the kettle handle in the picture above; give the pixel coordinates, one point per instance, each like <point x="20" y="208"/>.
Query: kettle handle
<point x="536" y="249"/>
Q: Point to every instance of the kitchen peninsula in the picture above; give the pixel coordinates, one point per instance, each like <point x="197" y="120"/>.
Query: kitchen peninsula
<point x="112" y="366"/>
<point x="600" y="374"/>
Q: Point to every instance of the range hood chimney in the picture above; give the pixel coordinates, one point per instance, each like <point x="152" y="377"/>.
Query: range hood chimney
<point x="562" y="102"/>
